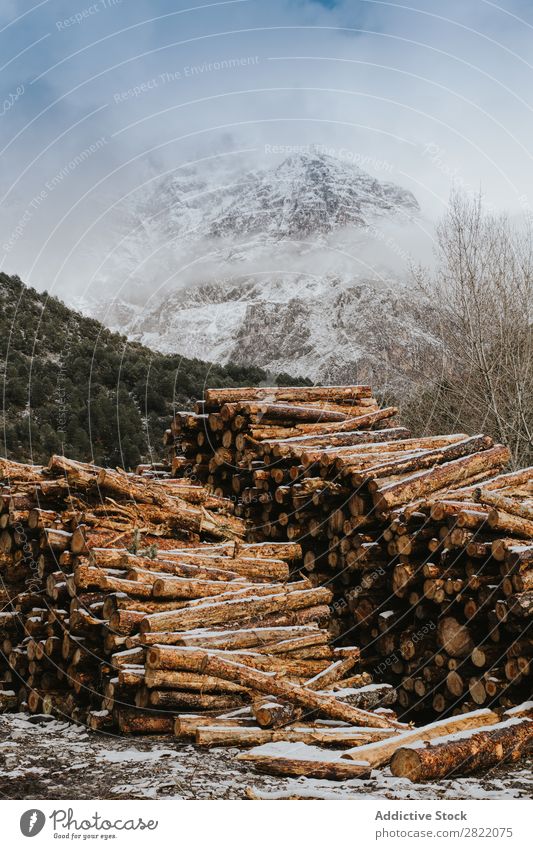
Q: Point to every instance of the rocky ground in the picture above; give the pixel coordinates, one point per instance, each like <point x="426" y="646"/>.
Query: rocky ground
<point x="42" y="758"/>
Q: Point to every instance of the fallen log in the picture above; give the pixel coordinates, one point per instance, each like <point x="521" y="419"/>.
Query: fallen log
<point x="265" y="683"/>
<point x="377" y="754"/>
<point x="302" y="759"/>
<point x="464" y="752"/>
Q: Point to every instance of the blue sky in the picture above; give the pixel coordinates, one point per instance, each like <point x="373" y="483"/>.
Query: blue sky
<point x="438" y="92"/>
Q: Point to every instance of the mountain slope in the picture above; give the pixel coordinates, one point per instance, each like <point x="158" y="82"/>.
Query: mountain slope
<point x="70" y="385"/>
<point x="298" y="267"/>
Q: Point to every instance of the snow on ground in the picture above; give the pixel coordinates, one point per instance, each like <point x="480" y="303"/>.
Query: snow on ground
<point x="43" y="758"/>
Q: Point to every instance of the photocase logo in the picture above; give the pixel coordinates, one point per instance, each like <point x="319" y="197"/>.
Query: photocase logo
<point x="32" y="822"/>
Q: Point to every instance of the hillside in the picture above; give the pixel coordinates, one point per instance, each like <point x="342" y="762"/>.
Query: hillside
<point x="70" y="385"/>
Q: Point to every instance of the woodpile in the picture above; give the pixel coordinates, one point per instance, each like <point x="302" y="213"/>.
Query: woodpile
<point x="129" y="600"/>
<point x="305" y="579"/>
<point x="218" y="443"/>
<point x="424" y="542"/>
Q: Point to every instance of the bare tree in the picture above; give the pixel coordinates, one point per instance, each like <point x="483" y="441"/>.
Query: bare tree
<point x="483" y="287"/>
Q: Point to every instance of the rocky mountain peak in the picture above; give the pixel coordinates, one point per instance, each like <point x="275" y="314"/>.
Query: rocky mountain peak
<point x="310" y="193"/>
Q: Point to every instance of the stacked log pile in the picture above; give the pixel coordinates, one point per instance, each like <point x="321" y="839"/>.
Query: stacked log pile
<point x="476" y="573"/>
<point x="393" y="525"/>
<point x="204" y="604"/>
<point x="123" y="597"/>
<point x="217" y="444"/>
<point x="431" y="584"/>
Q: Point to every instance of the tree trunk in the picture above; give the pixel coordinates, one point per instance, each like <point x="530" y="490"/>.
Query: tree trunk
<point x="378" y="754"/>
<point x="233" y="611"/>
<point x="264" y="683"/>
<point x="429" y="481"/>
<point x="477" y="749"/>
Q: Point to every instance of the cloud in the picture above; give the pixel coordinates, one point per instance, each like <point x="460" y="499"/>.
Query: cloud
<point x="441" y="94"/>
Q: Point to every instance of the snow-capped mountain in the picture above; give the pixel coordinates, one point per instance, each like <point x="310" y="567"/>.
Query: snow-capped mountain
<point x="297" y="268"/>
<point x="307" y="195"/>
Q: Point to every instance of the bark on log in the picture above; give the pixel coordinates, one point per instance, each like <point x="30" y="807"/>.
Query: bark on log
<point x="510" y="524"/>
<point x="174" y="700"/>
<point x="301" y="759"/>
<point x="426" y="482"/>
<point x="239" y="639"/>
<point x="478" y="749"/>
<point x="425" y="459"/>
<point x="187" y="724"/>
<point x="296" y="444"/>
<point x="377" y="754"/>
<point x="506" y="504"/>
<point x="218" y="397"/>
<point x="169" y="659"/>
<point x="292" y="412"/>
<point x="270" y="713"/>
<point x="233" y="611"/>
<point x="212" y="734"/>
<point x="265" y="683"/>
<point x="140" y="722"/>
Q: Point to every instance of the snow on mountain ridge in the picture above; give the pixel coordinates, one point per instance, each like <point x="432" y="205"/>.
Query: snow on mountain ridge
<point x="311" y="193"/>
<point x="295" y="268"/>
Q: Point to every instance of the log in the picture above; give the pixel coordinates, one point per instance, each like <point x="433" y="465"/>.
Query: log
<point x="265" y="683"/>
<point x="466" y="752"/>
<point x="166" y="660"/>
<point x="521" y="604"/>
<point x="454" y="638"/>
<point x="425" y="459"/>
<point x="519" y="557"/>
<point x="180" y="700"/>
<point x="249" y="567"/>
<point x="377" y="754"/>
<point x="161" y="679"/>
<point x="183" y="588"/>
<point x="511" y="524"/>
<point x="232" y="611"/>
<point x="209" y="735"/>
<point x="187" y="724"/>
<point x="218" y="397"/>
<point x="241" y="638"/>
<point x="121" y="601"/>
<point x="356" y="423"/>
<point x="165" y="562"/>
<point x="140" y="722"/>
<point x="425" y="482"/>
<point x="270" y="713"/>
<point x="508" y="505"/>
<point x="292" y="412"/>
<point x="367" y="697"/>
<point x="333" y="673"/>
<point x="286" y="447"/>
<point x="301" y="759"/>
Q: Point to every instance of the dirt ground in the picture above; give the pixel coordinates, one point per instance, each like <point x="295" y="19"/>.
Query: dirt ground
<point x="42" y="758"/>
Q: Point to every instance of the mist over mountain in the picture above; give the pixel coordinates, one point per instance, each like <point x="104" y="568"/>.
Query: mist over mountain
<point x="300" y="267"/>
